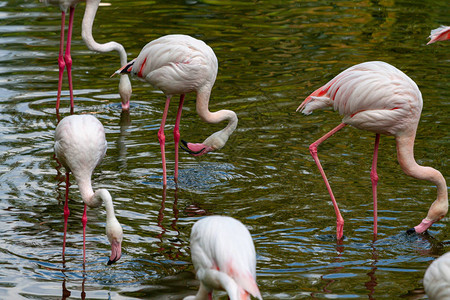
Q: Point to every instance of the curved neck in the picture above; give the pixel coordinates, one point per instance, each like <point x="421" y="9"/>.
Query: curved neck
<point x="405" y="155"/>
<point x="218" y="139"/>
<point x="86" y="191"/>
<point x="86" y="33"/>
<point x="215" y="117"/>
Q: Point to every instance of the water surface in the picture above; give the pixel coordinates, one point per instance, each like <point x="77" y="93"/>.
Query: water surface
<point x="271" y="54"/>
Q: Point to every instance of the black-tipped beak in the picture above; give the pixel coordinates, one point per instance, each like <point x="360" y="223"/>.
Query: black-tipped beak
<point x="125" y="69"/>
<point x="189" y="150"/>
<point x="111" y="261"/>
<point x="411" y="231"/>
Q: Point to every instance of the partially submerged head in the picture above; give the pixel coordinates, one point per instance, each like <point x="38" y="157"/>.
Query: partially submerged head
<point x="115" y="237"/>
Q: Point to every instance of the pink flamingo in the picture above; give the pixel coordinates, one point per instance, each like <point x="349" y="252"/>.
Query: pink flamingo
<point x="80" y="146"/>
<point x="439" y="34"/>
<point x="180" y="64"/>
<point x="65" y="59"/>
<point x="378" y="97"/>
<point x="436" y="280"/>
<point x="224" y="258"/>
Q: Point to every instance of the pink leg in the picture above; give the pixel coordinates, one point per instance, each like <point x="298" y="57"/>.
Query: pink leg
<point x="66" y="212"/>
<point x="176" y="134"/>
<point x="67" y="57"/>
<point x="162" y="140"/>
<point x="313" y="150"/>
<point x="84" y="222"/>
<point x="374" y="179"/>
<point x="61" y="62"/>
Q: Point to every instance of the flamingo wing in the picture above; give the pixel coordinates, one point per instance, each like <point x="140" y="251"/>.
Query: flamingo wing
<point x="177" y="64"/>
<point x="80" y="143"/>
<point x="372" y="96"/>
<point x="439" y="34"/>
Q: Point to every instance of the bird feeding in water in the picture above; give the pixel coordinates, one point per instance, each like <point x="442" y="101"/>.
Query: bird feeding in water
<point x="65" y="59"/>
<point x="224" y="258"/>
<point x="80" y="146"/>
<point x="378" y="97"/>
<point x="180" y="64"/>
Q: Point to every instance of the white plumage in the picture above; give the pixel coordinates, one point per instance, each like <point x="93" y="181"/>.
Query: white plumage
<point x="180" y="64"/>
<point x="80" y="146"/>
<point x="177" y="64"/>
<point x="373" y="96"/>
<point x="437" y="278"/>
<point x="378" y="97"/>
<point x="224" y="258"/>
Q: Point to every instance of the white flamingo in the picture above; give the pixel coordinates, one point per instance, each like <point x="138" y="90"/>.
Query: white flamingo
<point x="65" y="59"/>
<point x="380" y="98"/>
<point x="180" y="64"/>
<point x="437" y="278"/>
<point x="80" y="146"/>
<point x="224" y="258"/>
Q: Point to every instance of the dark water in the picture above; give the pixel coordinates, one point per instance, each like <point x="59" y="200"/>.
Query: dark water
<point x="271" y="54"/>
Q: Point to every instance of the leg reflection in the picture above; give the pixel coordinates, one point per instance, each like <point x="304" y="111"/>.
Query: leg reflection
<point x="372" y="283"/>
<point x="176" y="244"/>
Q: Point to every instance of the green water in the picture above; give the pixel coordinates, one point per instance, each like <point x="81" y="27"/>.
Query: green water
<point x="272" y="54"/>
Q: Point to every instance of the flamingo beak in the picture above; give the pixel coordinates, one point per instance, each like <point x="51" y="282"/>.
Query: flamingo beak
<point x="195" y="149"/>
<point x="125" y="69"/>
<point x="116" y="252"/>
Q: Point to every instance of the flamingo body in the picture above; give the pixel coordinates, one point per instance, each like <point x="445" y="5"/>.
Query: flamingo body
<point x="439" y="34"/>
<point x="372" y="96"/>
<point x="377" y="97"/>
<point x="180" y="64"/>
<point x="177" y="64"/>
<point x="80" y="146"/>
<point x="436" y="280"/>
<point x="224" y="258"/>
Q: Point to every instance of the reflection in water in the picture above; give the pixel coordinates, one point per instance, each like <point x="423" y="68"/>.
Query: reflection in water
<point x="175" y="242"/>
<point x="124" y="123"/>
<point x="270" y="57"/>
<point x="337" y="269"/>
<point x="372" y="283"/>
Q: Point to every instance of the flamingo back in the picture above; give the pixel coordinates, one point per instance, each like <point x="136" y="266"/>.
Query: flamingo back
<point x="177" y="64"/>
<point x="80" y="144"/>
<point x="437" y="278"/>
<point x="372" y="96"/>
<point x="224" y="244"/>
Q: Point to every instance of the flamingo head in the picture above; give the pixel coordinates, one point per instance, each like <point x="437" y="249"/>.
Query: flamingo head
<point x="115" y="237"/>
<point x="214" y="142"/>
<point x="125" y="91"/>
<point x="196" y="149"/>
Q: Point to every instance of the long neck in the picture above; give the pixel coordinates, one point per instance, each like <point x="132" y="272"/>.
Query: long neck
<point x="405" y="155"/>
<point x="87" y="193"/>
<point x="86" y="33"/>
<point x="88" y="21"/>
<point x="216" y="117"/>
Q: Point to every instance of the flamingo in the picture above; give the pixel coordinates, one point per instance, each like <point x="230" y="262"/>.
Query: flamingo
<point x="437" y="278"/>
<point x="378" y="97"/>
<point x="65" y="59"/>
<point x="439" y="34"/>
<point x="80" y="146"/>
<point x="224" y="258"/>
<point x="180" y="64"/>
